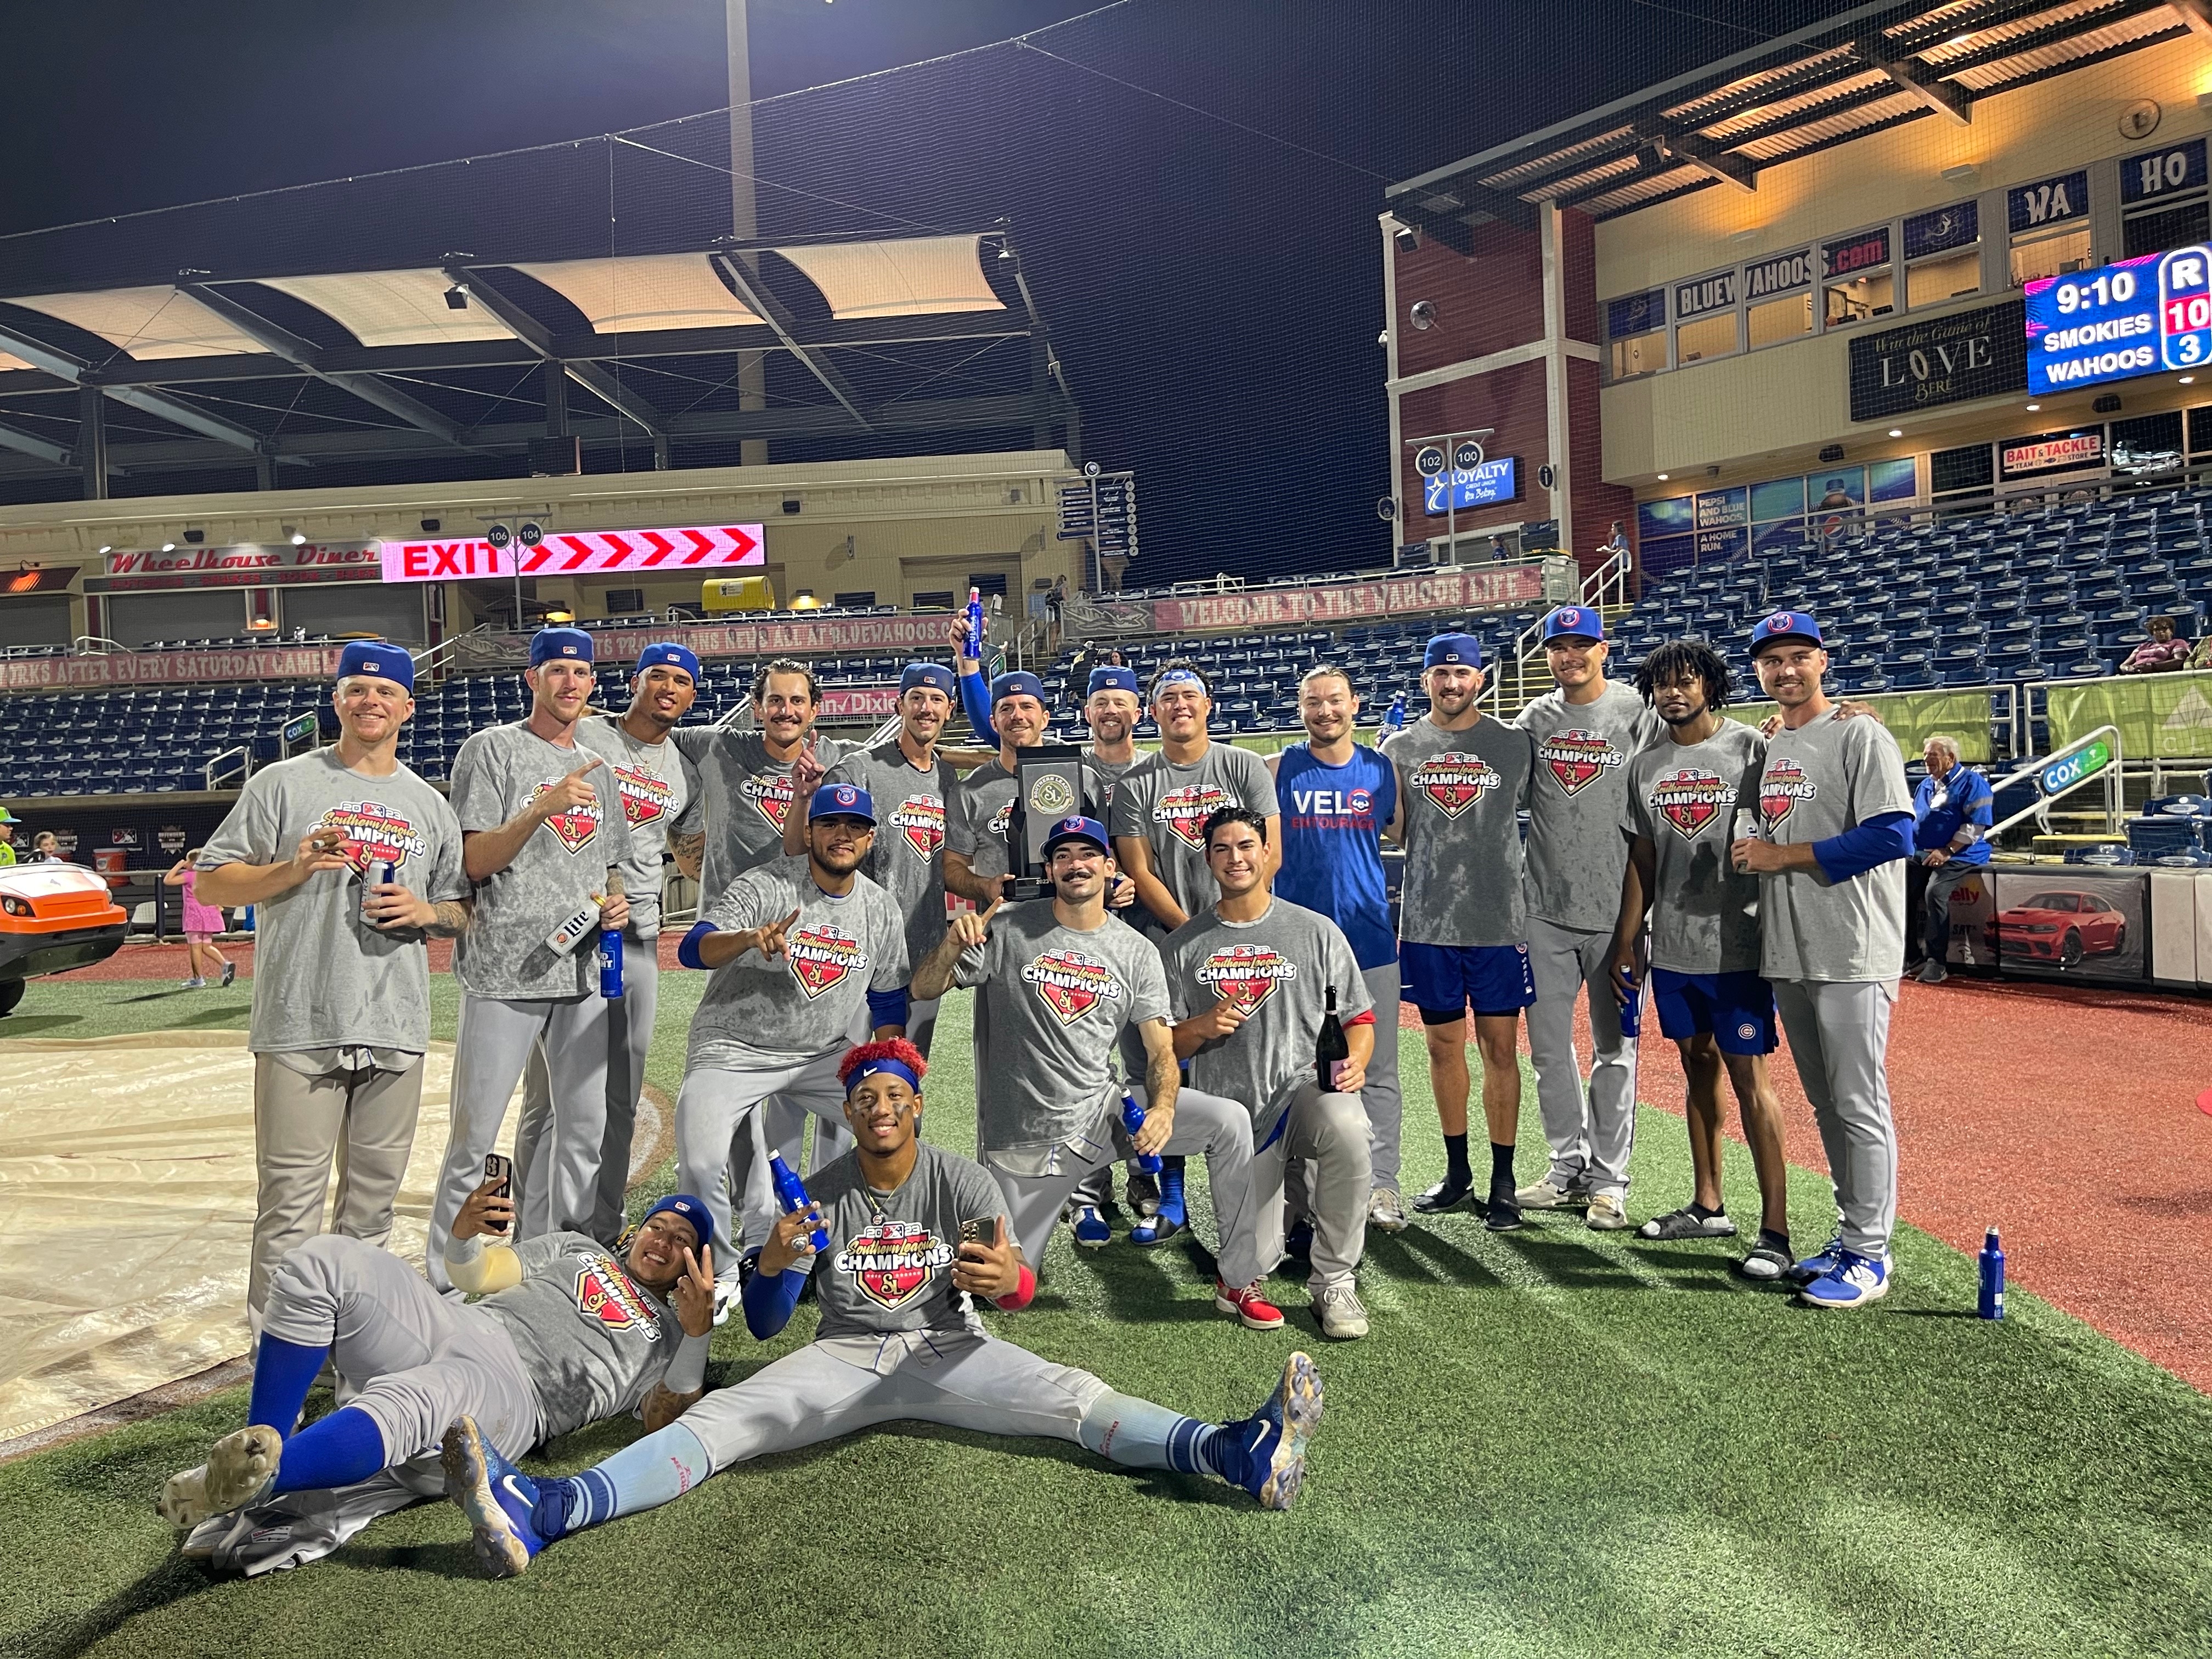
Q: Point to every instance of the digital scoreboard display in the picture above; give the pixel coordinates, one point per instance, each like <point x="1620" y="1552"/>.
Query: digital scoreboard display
<point x="2140" y="316"/>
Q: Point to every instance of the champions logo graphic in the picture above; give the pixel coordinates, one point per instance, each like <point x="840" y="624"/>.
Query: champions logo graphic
<point x="1185" y="810"/>
<point x="1689" y="800"/>
<point x="1784" y="784"/>
<point x="920" y="821"/>
<point x="1072" y="982"/>
<point x="823" y="955"/>
<point x="646" y="798"/>
<point x="603" y="1292"/>
<point x="1454" y="781"/>
<point x="1246" y="975"/>
<point x="770" y="796"/>
<point x="1576" y="757"/>
<point x="374" y="833"/>
<point x="892" y="1262"/>
<point x="575" y="825"/>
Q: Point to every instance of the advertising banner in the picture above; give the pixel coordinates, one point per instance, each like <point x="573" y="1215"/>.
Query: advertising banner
<point x="2071" y="921"/>
<point x="1969" y="354"/>
<point x="2052" y="451"/>
<point x="854" y="702"/>
<point x="1913" y="717"/>
<point x="577" y="553"/>
<point x="245" y="565"/>
<point x="302" y="662"/>
<point x="923" y="634"/>
<point x="1494" y="587"/>
<point x="2160" y="716"/>
<point x="1457" y="489"/>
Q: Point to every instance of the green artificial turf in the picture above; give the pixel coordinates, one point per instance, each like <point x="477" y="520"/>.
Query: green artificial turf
<point x="1555" y="1442"/>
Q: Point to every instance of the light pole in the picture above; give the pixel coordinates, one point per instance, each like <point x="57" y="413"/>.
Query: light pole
<point x="1462" y="451"/>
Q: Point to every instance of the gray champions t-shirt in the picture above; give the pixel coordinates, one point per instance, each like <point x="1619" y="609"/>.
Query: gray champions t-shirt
<point x="908" y="859"/>
<point x="1051" y="1003"/>
<point x="657" y="784"/>
<point x="1576" y="852"/>
<point x="1682" y="798"/>
<point x="593" y="1339"/>
<point x="1279" y="969"/>
<point x="888" y="1265"/>
<point x="1460" y="793"/>
<point x="323" y="977"/>
<point x="803" y="1003"/>
<point x="1167" y="805"/>
<point x="742" y="800"/>
<point x="1828" y="776"/>
<point x="498" y="772"/>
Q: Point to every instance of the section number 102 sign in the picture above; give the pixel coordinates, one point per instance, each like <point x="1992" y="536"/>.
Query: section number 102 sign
<point x="2122" y="320"/>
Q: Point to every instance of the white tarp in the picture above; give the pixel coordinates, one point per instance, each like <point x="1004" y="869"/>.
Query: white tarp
<point x="393" y="308"/>
<point x="148" y="323"/>
<point x="644" y="292"/>
<point x="914" y="276"/>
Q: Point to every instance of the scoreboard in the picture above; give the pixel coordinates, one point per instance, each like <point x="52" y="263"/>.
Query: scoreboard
<point x="2140" y="316"/>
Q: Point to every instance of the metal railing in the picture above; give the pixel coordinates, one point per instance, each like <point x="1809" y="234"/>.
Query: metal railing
<point x="219" y="767"/>
<point x="1610" y="578"/>
<point x="2074" y="766"/>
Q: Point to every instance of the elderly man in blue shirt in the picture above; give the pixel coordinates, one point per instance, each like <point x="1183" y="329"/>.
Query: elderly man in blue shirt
<point x="1952" y="809"/>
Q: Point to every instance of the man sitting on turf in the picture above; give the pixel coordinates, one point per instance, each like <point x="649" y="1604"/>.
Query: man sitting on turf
<point x="565" y="1335"/>
<point x="913" y="1232"/>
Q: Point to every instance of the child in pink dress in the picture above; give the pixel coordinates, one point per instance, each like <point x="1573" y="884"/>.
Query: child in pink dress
<point x="202" y="923"/>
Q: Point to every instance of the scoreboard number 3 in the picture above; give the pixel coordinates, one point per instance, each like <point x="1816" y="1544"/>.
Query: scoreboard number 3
<point x="2184" y="306"/>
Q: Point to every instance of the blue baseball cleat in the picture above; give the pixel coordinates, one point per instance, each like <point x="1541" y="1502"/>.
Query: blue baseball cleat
<point x="500" y="1500"/>
<point x="1272" y="1444"/>
<point x="1819" y="1264"/>
<point x="1090" y="1229"/>
<point x="1853" y="1282"/>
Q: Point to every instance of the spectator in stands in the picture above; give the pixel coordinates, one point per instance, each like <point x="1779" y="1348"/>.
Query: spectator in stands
<point x="2163" y="653"/>
<point x="1951" y="809"/>
<point x="1617" y="543"/>
<point x="1498" y="554"/>
<point x="202" y="921"/>
<point x="1078" y="676"/>
<point x="2201" y="658"/>
<point x="7" y="822"/>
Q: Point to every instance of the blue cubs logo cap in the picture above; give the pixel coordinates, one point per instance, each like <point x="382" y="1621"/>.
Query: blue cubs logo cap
<point x="1785" y="625"/>
<point x="547" y="644"/>
<point x="683" y="1205"/>
<point x="1078" y="828"/>
<point x="668" y="654"/>
<point x="1113" y="677"/>
<point x="841" y="800"/>
<point x="377" y="660"/>
<point x="1453" y="648"/>
<point x="1573" y="622"/>
<point x="1018" y="684"/>
<point x="934" y="675"/>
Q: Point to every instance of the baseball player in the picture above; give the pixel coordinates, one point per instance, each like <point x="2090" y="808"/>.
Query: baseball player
<point x="797" y="948"/>
<point x="539" y="839"/>
<point x="915" y="1234"/>
<point x="567" y="1333"/>
<point x="1585" y="730"/>
<point x="1060" y="979"/>
<point x="1681" y="804"/>
<point x="976" y="865"/>
<point x="342" y="1001"/>
<point x="656" y="782"/>
<point x="1249" y="980"/>
<point x="1336" y="796"/>
<point x="1463" y="932"/>
<point x="1835" y="819"/>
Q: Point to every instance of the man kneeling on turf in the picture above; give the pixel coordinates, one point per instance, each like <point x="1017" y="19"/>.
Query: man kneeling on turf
<point x="565" y="1335"/>
<point x="913" y="1231"/>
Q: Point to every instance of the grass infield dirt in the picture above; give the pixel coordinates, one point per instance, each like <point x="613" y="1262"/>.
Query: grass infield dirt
<point x="1555" y="1443"/>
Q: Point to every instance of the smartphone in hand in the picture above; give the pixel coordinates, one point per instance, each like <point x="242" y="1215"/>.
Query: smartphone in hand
<point x="984" y="1233"/>
<point x="501" y="1170"/>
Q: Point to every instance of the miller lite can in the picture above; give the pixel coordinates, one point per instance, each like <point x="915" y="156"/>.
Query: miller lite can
<point x="378" y="873"/>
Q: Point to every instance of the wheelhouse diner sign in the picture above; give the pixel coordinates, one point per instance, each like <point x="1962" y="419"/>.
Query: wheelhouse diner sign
<point x="248" y="564"/>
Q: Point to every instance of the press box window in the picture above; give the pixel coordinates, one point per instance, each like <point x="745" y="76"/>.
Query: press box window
<point x="1856" y="278"/>
<point x="1708" y="337"/>
<point x="625" y="601"/>
<point x="1947" y="277"/>
<point x="1774" y="321"/>
<point x="1644" y="355"/>
<point x="1636" y="333"/>
<point x="2050" y="253"/>
<point x="939" y="600"/>
<point x="1857" y="298"/>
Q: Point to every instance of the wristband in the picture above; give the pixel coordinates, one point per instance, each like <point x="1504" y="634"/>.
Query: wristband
<point x="1022" y="1292"/>
<point x="687" y="1371"/>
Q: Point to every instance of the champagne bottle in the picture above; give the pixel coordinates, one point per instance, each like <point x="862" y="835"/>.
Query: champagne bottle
<point x="1330" y="1049"/>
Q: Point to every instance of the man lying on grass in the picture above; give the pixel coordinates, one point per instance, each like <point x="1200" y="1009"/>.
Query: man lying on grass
<point x="913" y="1232"/>
<point x="565" y="1335"/>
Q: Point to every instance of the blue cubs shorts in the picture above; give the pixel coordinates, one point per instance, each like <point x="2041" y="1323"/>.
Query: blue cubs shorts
<point x="1443" y="980"/>
<point x="1736" y="1010"/>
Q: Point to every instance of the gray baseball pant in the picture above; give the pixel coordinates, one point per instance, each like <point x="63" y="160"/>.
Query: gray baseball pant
<point x="630" y="1036"/>
<point x="1384" y="1101"/>
<point x="1838" y="1036"/>
<point x="717" y="1107"/>
<point x="409" y="1359"/>
<point x="364" y="1118"/>
<point x="490" y="1051"/>
<point x="1591" y="1133"/>
<point x="1327" y="1136"/>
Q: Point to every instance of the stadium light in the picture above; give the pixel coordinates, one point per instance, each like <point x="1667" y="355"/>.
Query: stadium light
<point x="105" y="547"/>
<point x="2032" y="407"/>
<point x="168" y="547"/>
<point x="292" y="535"/>
<point x="1897" y="432"/>
<point x="2189" y="379"/>
<point x="457" y="297"/>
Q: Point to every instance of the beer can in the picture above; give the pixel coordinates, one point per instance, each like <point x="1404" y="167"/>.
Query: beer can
<point x="379" y="872"/>
<point x="611" y="962"/>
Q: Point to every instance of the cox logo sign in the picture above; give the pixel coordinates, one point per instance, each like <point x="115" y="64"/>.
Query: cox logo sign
<point x="2084" y="762"/>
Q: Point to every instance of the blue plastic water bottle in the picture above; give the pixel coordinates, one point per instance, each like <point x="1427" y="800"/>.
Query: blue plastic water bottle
<point x="611" y="962"/>
<point x="1132" y="1119"/>
<point x="1395" y="719"/>
<point x="791" y="1194"/>
<point x="1991" y="1305"/>
<point x="975" y="622"/>
<point x="1632" y="1011"/>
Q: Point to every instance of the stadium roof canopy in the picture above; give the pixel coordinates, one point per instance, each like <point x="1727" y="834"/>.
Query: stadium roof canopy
<point x="879" y="342"/>
<point x="1873" y="68"/>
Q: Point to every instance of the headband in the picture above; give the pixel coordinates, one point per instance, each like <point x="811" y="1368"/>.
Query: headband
<point x="886" y="1066"/>
<point x="1177" y="677"/>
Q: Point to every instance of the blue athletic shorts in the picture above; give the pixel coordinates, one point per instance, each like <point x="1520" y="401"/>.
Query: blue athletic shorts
<point x="1442" y="981"/>
<point x="1736" y="1010"/>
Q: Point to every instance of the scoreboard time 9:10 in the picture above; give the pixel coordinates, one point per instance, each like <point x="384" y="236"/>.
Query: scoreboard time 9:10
<point x="2138" y="317"/>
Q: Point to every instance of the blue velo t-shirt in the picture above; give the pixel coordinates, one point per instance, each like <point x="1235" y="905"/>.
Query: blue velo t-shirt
<point x="1332" y="817"/>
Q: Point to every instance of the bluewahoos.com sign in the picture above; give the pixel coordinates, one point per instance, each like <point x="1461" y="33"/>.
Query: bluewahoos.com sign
<point x="1981" y="353"/>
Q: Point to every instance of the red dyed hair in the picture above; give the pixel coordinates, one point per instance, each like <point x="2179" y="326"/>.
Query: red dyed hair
<point x="897" y="1048"/>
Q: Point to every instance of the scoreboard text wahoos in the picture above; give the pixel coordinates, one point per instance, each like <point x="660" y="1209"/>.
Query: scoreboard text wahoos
<point x="2139" y="317"/>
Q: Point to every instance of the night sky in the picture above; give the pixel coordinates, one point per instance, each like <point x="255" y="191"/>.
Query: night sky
<point x="1215" y="291"/>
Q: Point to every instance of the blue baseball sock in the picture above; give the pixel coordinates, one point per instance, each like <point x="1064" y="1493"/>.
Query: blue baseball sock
<point x="1171" y="1200"/>
<point x="282" y="1373"/>
<point x="337" y="1450"/>
<point x="643" y="1476"/>
<point x="1127" y="1429"/>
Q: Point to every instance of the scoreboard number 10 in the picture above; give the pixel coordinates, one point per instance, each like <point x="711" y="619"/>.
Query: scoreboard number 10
<point x="2184" y="307"/>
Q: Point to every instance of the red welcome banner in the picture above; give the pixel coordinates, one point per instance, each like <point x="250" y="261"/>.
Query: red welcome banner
<point x="306" y="662"/>
<point x="577" y="553"/>
<point x="1491" y="588"/>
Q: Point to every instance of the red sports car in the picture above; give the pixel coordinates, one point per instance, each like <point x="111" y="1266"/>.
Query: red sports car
<point x="2060" y="927"/>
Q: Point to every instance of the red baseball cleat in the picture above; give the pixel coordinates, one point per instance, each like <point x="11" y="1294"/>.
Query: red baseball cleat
<point x="1247" y="1304"/>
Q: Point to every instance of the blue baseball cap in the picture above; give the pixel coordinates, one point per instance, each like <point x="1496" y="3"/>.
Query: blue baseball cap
<point x="549" y="643"/>
<point x="1018" y="684"/>
<point x="683" y="1205"/>
<point x="1113" y="678"/>
<point x="1447" y="648"/>
<point x="386" y="662"/>
<point x="934" y="675"/>
<point x="1078" y="828"/>
<point x="841" y="800"/>
<point x="1573" y="622"/>
<point x="668" y="654"/>
<point x="1785" y="625"/>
